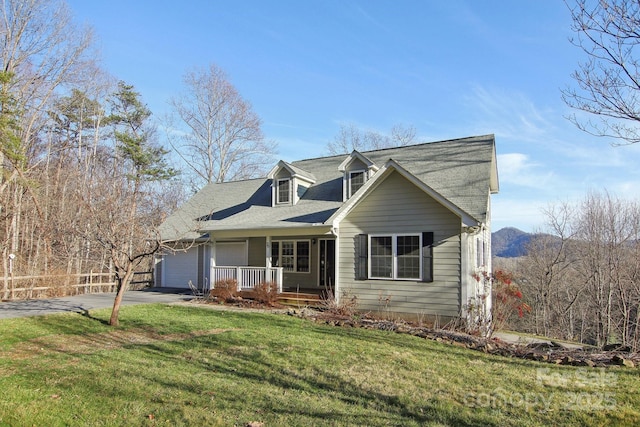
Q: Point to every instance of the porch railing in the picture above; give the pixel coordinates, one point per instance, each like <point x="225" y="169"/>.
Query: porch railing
<point x="247" y="277"/>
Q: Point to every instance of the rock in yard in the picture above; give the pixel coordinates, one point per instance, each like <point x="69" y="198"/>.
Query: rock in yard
<point x="619" y="360"/>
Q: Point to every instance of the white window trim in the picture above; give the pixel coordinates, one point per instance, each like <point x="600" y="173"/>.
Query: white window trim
<point x="351" y="173"/>
<point x="278" y="181"/>
<point x="394" y="254"/>
<point x="295" y="255"/>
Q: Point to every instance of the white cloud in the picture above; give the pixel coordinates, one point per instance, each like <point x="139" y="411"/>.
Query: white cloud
<point x="513" y="163"/>
<point x="507" y="114"/>
<point x="518" y="169"/>
<point x="544" y="131"/>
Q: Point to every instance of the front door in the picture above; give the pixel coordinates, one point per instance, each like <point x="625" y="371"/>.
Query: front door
<point x="327" y="265"/>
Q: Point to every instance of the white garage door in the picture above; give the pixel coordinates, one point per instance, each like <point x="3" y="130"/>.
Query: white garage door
<point x="179" y="268"/>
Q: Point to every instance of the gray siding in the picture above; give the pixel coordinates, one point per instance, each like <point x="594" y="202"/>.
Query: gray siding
<point x="356" y="165"/>
<point x="397" y="206"/>
<point x="257" y="251"/>
<point x="283" y="173"/>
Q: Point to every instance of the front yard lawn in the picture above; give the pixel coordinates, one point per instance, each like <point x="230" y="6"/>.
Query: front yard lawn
<point x="182" y="365"/>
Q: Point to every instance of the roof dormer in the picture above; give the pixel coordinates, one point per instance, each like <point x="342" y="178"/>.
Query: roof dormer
<point x="289" y="184"/>
<point x="357" y="169"/>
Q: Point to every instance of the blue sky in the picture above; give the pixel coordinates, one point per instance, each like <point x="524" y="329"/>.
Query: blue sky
<point x="450" y="69"/>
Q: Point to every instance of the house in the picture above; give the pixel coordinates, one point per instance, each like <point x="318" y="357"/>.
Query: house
<point x="402" y="229"/>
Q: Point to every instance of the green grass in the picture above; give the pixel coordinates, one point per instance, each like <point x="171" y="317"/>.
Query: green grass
<point x="181" y="365"/>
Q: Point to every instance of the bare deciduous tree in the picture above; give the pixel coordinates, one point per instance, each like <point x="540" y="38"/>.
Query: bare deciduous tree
<point x="74" y="198"/>
<point x="608" y="229"/>
<point x="547" y="270"/>
<point x="582" y="276"/>
<point x="350" y="137"/>
<point x="608" y="82"/>
<point x="224" y="139"/>
<point x="124" y="217"/>
<point x="41" y="52"/>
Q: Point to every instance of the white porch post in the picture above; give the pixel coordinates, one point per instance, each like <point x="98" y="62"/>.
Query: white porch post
<point x="239" y="277"/>
<point x="213" y="252"/>
<point x="267" y="261"/>
<point x="279" y="280"/>
<point x="269" y="266"/>
<point x="212" y="263"/>
<point x="207" y="279"/>
<point x="336" y="265"/>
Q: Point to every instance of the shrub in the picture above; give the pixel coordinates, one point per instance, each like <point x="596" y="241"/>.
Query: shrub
<point x="266" y="293"/>
<point x="225" y="290"/>
<point x="507" y="300"/>
<point x="347" y="306"/>
<point x="384" y="301"/>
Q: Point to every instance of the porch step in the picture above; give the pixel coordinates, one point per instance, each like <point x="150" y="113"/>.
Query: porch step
<point x="296" y="299"/>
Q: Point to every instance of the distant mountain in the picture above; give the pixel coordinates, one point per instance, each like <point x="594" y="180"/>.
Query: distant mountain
<point x="509" y="242"/>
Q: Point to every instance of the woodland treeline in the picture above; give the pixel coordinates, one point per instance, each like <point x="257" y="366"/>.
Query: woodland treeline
<point x="85" y="179"/>
<point x="581" y="276"/>
<point x="81" y="167"/>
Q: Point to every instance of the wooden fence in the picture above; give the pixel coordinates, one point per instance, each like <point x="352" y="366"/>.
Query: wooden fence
<point x="50" y="286"/>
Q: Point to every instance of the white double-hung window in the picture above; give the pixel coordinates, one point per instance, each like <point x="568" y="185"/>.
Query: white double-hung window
<point x="291" y="255"/>
<point x="395" y="256"/>
<point x="283" y="191"/>
<point x="356" y="181"/>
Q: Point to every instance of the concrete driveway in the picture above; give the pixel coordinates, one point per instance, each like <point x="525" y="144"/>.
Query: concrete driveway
<point x="83" y="303"/>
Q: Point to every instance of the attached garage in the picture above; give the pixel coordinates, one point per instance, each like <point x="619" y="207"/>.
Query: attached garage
<point x="178" y="268"/>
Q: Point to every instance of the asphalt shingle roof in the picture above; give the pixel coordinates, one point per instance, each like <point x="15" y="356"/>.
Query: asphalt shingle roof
<point x="461" y="170"/>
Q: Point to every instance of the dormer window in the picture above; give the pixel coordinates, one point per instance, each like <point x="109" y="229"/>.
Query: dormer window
<point x="289" y="184"/>
<point x="283" y="191"/>
<point x="356" y="181"/>
<point x="357" y="169"/>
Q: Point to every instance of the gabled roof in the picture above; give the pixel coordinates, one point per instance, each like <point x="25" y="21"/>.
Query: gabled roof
<point x="460" y="173"/>
<point x="359" y="156"/>
<point x="293" y="171"/>
<point x="388" y="168"/>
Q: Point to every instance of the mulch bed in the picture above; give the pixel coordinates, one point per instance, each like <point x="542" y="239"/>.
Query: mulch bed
<point x="551" y="352"/>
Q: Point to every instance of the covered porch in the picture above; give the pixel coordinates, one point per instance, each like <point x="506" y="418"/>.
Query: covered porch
<point x="295" y="263"/>
<point x="248" y="278"/>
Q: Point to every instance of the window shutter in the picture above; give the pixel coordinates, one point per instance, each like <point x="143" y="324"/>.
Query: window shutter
<point x="361" y="252"/>
<point x="427" y="256"/>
